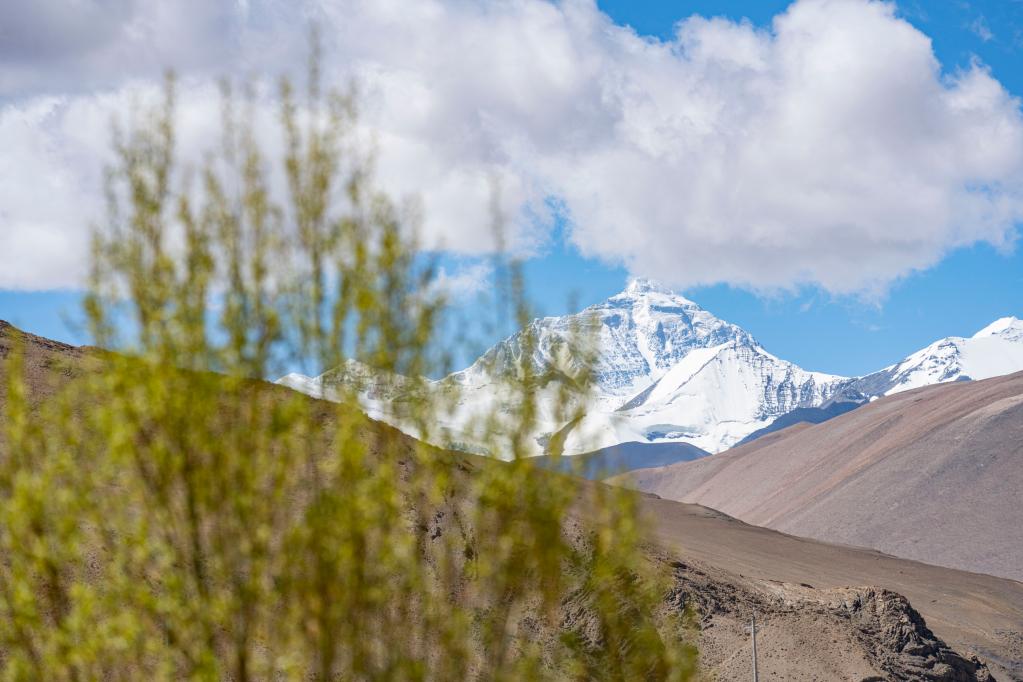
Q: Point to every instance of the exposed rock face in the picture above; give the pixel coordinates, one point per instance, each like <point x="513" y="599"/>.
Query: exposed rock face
<point x="861" y="633"/>
<point x="45" y="363"/>
<point x="900" y="642"/>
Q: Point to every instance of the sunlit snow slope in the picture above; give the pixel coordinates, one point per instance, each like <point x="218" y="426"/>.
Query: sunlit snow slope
<point x="665" y="371"/>
<point x="993" y="351"/>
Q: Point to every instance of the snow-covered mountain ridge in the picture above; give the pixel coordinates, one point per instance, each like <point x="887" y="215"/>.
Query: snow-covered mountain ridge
<point x="664" y="370"/>
<point x="993" y="351"/>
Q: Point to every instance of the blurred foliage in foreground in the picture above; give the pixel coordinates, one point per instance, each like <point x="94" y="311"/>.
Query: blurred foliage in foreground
<point x="170" y="515"/>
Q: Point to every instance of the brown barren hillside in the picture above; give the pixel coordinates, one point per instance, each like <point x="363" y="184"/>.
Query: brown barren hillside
<point x="973" y="612"/>
<point x="933" y="474"/>
<point x="823" y="611"/>
<point x="47" y="364"/>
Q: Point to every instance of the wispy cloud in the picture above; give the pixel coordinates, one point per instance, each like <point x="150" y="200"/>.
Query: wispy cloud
<point x="980" y="28"/>
<point x="463" y="283"/>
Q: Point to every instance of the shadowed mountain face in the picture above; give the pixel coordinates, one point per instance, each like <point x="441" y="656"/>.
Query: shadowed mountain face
<point x="824" y="611"/>
<point x="621" y="458"/>
<point x="850" y="400"/>
<point x="932" y="474"/>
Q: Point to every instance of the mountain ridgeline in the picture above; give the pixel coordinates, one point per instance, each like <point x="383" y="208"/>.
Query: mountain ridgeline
<point x="665" y="371"/>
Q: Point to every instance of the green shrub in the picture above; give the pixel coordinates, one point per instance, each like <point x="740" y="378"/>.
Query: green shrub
<point x="171" y="515"/>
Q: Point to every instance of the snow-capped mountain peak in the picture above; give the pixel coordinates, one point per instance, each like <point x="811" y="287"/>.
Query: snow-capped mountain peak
<point x="1010" y="328"/>
<point x="641" y="333"/>
<point x="664" y="370"/>
<point x="642" y="292"/>
<point x="641" y="286"/>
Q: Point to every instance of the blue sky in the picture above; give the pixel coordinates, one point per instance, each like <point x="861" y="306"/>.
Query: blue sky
<point x="843" y="333"/>
<point x="846" y="335"/>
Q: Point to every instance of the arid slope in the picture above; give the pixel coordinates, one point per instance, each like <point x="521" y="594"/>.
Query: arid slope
<point x="974" y="613"/>
<point x="933" y="474"/>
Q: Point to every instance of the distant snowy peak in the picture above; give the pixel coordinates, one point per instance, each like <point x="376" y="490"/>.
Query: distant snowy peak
<point x="665" y="370"/>
<point x="995" y="350"/>
<point x="643" y="286"/>
<point x="648" y="292"/>
<point x="632" y="339"/>
<point x="1009" y="328"/>
<point x="376" y="390"/>
<point x="649" y="329"/>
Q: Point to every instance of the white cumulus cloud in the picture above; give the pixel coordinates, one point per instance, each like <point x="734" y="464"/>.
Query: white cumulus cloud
<point x="829" y="148"/>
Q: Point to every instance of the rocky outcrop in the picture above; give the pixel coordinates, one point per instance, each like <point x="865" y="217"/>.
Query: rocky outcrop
<point x="854" y="633"/>
<point x="899" y="641"/>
